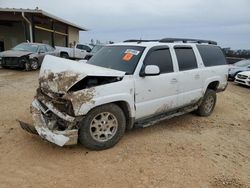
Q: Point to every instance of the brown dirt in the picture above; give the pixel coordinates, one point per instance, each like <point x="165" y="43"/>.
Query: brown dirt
<point x="187" y="151"/>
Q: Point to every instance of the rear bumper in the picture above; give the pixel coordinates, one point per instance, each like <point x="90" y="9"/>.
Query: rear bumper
<point x="41" y="127"/>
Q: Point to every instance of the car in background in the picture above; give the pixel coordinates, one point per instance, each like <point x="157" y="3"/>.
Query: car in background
<point x="28" y="56"/>
<point x="240" y="66"/>
<point x="78" y="51"/>
<point x="95" y="49"/>
<point x="243" y="78"/>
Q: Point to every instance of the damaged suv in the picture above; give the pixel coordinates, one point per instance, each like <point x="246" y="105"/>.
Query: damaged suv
<point x="134" y="83"/>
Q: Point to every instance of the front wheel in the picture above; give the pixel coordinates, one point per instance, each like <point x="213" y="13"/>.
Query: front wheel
<point x="34" y="65"/>
<point x="103" y="127"/>
<point x="208" y="103"/>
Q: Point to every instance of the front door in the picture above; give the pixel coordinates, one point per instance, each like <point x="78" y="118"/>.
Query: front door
<point x="156" y="94"/>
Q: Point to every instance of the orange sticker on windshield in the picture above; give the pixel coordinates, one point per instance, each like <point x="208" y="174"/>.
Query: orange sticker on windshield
<point x="127" y="57"/>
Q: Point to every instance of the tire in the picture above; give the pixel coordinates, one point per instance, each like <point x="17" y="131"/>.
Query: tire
<point x="208" y="103"/>
<point x="34" y="64"/>
<point x="93" y="127"/>
<point x="64" y="55"/>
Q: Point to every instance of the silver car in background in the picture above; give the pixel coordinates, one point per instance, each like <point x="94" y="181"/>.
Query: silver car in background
<point x="243" y="65"/>
<point x="28" y="56"/>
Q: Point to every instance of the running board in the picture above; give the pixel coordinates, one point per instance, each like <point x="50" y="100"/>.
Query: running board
<point x="153" y="120"/>
<point x="29" y="128"/>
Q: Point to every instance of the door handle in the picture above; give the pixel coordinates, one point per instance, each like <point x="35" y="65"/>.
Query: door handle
<point x="197" y="76"/>
<point x="174" y="80"/>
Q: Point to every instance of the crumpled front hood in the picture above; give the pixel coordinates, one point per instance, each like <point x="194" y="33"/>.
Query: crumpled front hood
<point x="58" y="75"/>
<point x="13" y="53"/>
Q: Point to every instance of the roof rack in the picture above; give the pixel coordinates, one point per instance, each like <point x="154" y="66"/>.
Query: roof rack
<point x="140" y="40"/>
<point x="188" y="40"/>
<point x="172" y="40"/>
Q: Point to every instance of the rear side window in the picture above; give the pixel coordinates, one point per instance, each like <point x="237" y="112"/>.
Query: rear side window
<point x="186" y="58"/>
<point x="211" y="55"/>
<point x="161" y="58"/>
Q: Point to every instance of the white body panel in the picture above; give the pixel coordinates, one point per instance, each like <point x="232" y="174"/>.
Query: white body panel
<point x="152" y="98"/>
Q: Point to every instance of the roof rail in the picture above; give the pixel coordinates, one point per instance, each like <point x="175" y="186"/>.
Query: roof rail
<point x="188" y="40"/>
<point x="140" y="40"/>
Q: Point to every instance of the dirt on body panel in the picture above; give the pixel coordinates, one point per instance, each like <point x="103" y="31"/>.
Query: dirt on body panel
<point x="59" y="82"/>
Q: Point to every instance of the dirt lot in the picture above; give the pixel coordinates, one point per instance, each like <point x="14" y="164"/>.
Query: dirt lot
<point x="186" y="151"/>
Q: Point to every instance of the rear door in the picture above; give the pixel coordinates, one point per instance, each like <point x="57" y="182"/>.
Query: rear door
<point x="189" y="76"/>
<point x="156" y="94"/>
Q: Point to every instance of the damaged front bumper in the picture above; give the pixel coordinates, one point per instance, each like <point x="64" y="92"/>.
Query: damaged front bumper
<point x="42" y="125"/>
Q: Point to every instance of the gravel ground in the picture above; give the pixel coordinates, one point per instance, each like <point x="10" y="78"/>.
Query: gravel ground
<point x="187" y="151"/>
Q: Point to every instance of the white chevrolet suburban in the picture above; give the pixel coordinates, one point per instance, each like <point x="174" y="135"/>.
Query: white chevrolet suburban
<point x="134" y="83"/>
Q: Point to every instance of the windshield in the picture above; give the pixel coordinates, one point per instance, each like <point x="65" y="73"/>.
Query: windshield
<point x="96" y="48"/>
<point x="242" y="63"/>
<point x="122" y="58"/>
<point x="26" y="47"/>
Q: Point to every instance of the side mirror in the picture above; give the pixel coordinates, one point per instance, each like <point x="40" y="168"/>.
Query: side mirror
<point x="88" y="50"/>
<point x="150" y="70"/>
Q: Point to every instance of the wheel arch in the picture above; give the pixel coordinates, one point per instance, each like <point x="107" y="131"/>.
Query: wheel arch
<point x="213" y="85"/>
<point x="127" y="112"/>
<point x="63" y="52"/>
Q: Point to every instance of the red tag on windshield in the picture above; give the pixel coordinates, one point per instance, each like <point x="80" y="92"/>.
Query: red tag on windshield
<point x="127" y="57"/>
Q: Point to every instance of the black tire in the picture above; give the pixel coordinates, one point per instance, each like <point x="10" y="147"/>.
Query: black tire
<point x="34" y="64"/>
<point x="208" y="103"/>
<point x="64" y="55"/>
<point x="91" y="132"/>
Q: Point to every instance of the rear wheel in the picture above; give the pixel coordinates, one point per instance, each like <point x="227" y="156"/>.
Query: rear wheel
<point x="64" y="55"/>
<point x="103" y="127"/>
<point x="208" y="103"/>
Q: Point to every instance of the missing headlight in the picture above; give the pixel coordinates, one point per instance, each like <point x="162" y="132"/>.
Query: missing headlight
<point x="92" y="81"/>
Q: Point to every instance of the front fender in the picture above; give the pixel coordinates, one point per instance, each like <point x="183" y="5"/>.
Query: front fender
<point x="85" y="108"/>
<point x="87" y="99"/>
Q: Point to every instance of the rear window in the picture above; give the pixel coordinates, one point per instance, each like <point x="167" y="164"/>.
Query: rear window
<point x="211" y="55"/>
<point x="186" y="58"/>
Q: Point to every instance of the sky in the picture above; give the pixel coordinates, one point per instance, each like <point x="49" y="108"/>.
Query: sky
<point x="225" y="21"/>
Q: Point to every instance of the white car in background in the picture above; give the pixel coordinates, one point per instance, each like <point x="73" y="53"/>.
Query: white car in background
<point x="243" y="78"/>
<point x="79" y="51"/>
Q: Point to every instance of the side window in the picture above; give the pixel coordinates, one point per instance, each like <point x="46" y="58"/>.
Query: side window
<point x="161" y="58"/>
<point x="186" y="58"/>
<point x="88" y="49"/>
<point x="49" y="48"/>
<point x="79" y="46"/>
<point x="42" y="49"/>
<point x="211" y="55"/>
